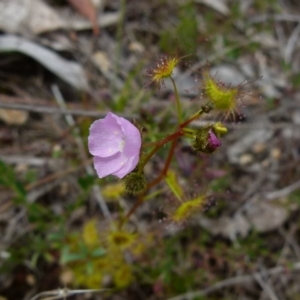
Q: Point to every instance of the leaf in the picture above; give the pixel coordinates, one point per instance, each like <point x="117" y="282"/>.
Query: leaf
<point x="262" y="216"/>
<point x="87" y="9"/>
<point x="98" y="252"/>
<point x="86" y="182"/>
<point x="173" y="184"/>
<point x="217" y="5"/>
<point x="68" y="71"/>
<point x="13" y="117"/>
<point x="67" y="256"/>
<point x="8" y="179"/>
<point x="34" y="15"/>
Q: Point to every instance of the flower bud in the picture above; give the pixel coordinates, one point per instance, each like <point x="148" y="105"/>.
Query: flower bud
<point x="135" y="183"/>
<point x="205" y="140"/>
<point x="219" y="129"/>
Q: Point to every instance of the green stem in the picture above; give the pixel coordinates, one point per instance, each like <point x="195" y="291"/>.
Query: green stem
<point x="194" y="117"/>
<point x="189" y="135"/>
<point x="147" y="157"/>
<point x="178" y="104"/>
<point x="188" y="130"/>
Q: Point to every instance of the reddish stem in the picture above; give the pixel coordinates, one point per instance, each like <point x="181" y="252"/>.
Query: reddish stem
<point x="132" y="210"/>
<point x="155" y="181"/>
<point x="166" y="167"/>
<point x="166" y="139"/>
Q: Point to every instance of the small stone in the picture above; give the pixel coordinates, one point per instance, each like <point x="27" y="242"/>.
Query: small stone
<point x="136" y="47"/>
<point x="296" y="117"/>
<point x="13" y="117"/>
<point x="245" y="159"/>
<point x="30" y="279"/>
<point x="259" y="147"/>
<point x="66" y="277"/>
<point x="265" y="163"/>
<point x="275" y="153"/>
<point x="21" y="168"/>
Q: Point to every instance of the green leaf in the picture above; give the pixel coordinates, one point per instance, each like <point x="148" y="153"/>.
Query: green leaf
<point x="98" y="252"/>
<point x="67" y="256"/>
<point x="87" y="182"/>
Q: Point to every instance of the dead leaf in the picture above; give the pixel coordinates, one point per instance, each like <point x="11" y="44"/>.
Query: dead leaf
<point x="217" y="5"/>
<point x="28" y="15"/>
<point x="104" y="20"/>
<point x="69" y="71"/>
<point x="262" y="216"/>
<point x="265" y="216"/>
<point x="36" y="17"/>
<point x="101" y="61"/>
<point x="87" y="9"/>
<point x="13" y="117"/>
<point x="229" y="227"/>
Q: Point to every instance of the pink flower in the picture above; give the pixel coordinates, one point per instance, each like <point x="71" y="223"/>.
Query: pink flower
<point x="115" y="144"/>
<point x="213" y="142"/>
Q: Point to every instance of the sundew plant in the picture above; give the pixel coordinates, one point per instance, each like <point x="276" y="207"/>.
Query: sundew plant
<point x="119" y="148"/>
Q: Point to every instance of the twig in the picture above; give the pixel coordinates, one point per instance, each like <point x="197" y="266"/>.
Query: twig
<point x="95" y="114"/>
<point x="283" y="192"/>
<point x="58" y="110"/>
<point x="30" y="160"/>
<point x="56" y="176"/>
<point x="63" y="293"/>
<point x="268" y="17"/>
<point x="290" y="46"/>
<point x="266" y="287"/>
<point x="232" y="281"/>
<point x="90" y="171"/>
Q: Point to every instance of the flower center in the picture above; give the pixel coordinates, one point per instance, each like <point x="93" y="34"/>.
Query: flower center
<point x="122" y="144"/>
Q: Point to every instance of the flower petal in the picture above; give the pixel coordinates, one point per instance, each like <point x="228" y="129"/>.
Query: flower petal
<point x="133" y="140"/>
<point x="128" y="167"/>
<point x="105" y="137"/>
<point x="213" y="140"/>
<point x="109" y="165"/>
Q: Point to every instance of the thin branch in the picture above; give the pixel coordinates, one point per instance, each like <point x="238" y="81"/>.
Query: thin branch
<point x="57" y="110"/>
<point x="63" y="293"/>
<point x="283" y="192"/>
<point x="291" y="44"/>
<point x="265" y="286"/>
<point x="232" y="281"/>
<point x="80" y="144"/>
<point x="269" y="17"/>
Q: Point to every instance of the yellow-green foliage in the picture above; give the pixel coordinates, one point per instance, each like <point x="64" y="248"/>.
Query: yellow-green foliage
<point x="187" y="208"/>
<point x="173" y="184"/>
<point x="90" y="265"/>
<point x="223" y="97"/>
<point x="123" y="276"/>
<point x="163" y="69"/>
<point x="113" y="191"/>
<point x="90" y="234"/>
<point x="120" y="239"/>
